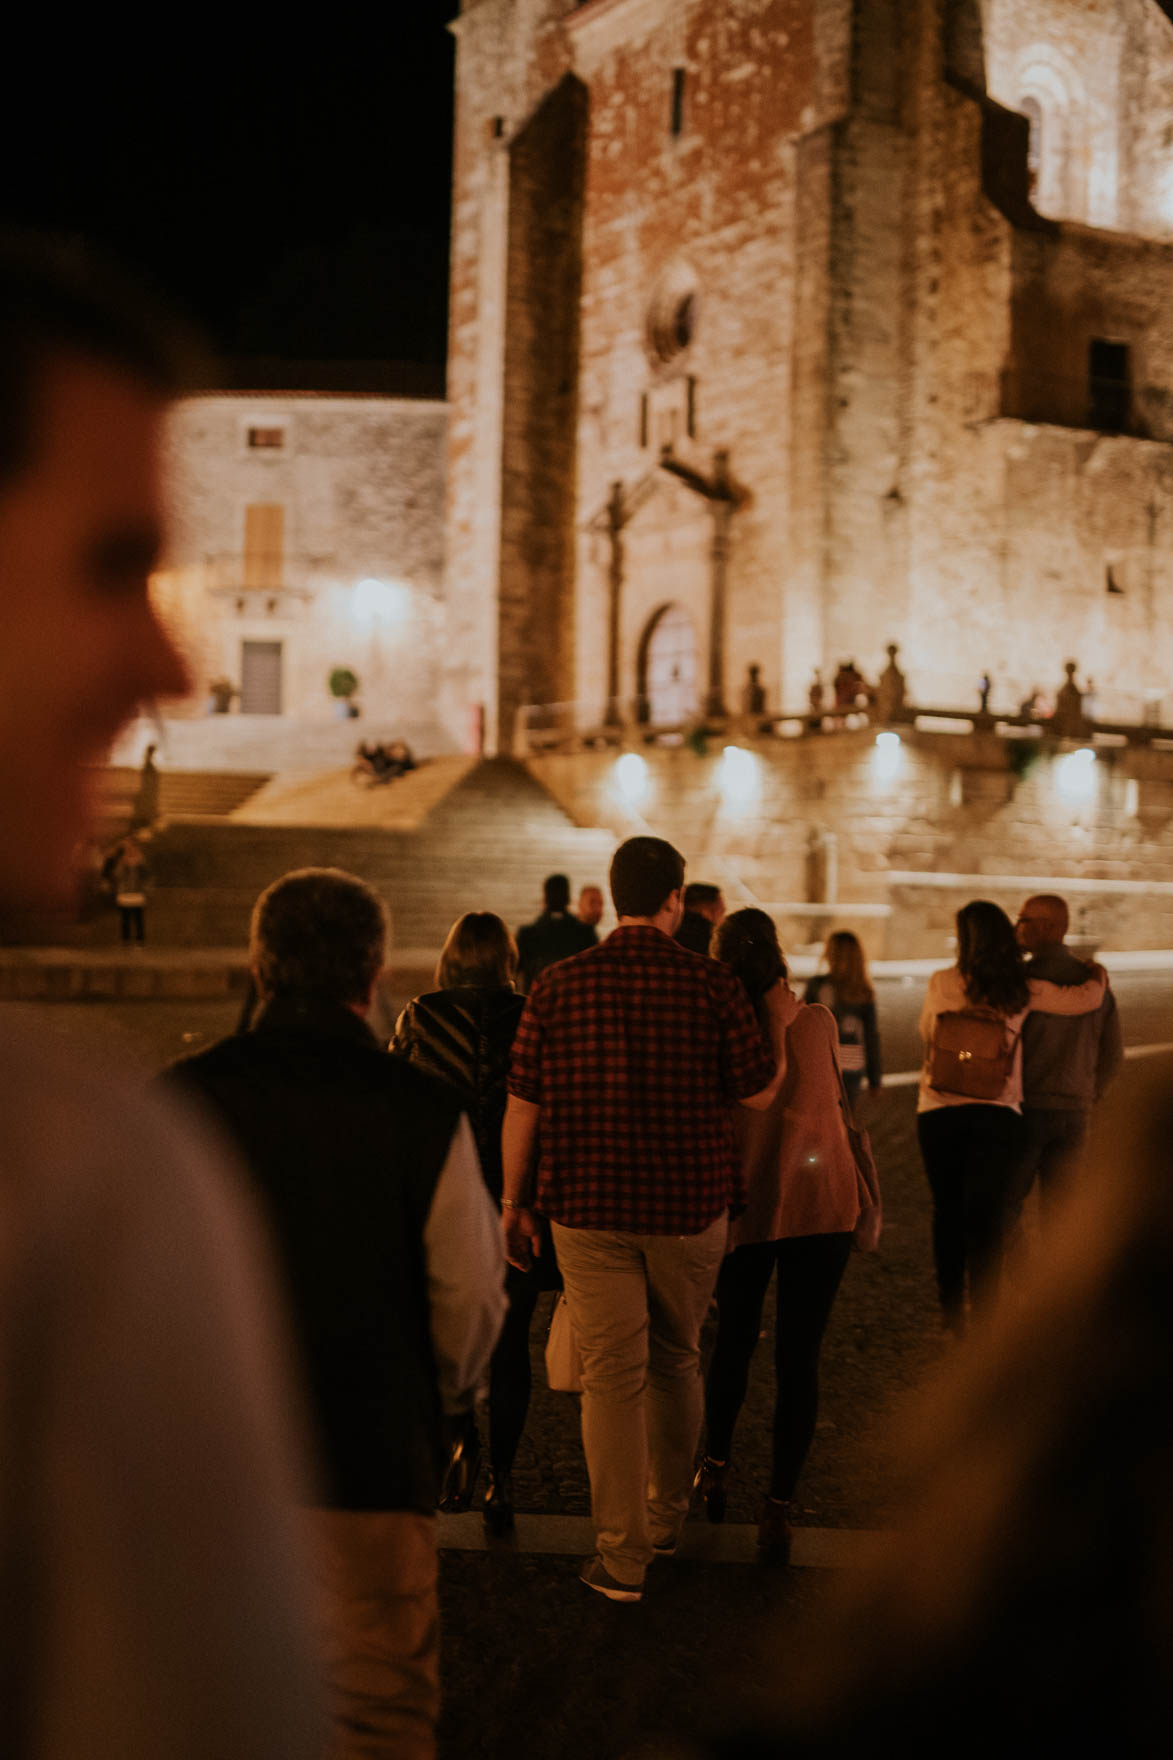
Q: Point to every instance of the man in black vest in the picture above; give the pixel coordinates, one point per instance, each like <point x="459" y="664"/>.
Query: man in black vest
<point x="555" y="935"/>
<point x="392" y="1255"/>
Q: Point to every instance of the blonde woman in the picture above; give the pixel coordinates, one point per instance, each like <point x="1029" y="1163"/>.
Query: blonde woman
<point x="846" y="989"/>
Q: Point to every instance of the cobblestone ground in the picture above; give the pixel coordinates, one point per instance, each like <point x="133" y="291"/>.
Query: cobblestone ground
<point x="534" y="1664"/>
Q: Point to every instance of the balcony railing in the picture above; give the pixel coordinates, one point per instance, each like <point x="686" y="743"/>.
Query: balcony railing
<point x="1098" y="405"/>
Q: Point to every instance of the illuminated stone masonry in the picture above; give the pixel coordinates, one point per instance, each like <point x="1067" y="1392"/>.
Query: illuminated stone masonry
<point x="782" y="329"/>
<point x="307" y="536"/>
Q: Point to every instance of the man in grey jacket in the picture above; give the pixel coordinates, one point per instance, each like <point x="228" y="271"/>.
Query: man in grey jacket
<point x="1067" y="1060"/>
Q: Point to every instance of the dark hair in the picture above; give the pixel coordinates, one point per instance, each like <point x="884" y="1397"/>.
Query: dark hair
<point x="747" y="942"/>
<point x="556" y="891"/>
<point x="479" y="951"/>
<point x="644" y="870"/>
<point x="320" y="934"/>
<point x="847" y="967"/>
<point x="699" y="892"/>
<point x="988" y="958"/>
<point x="57" y="299"/>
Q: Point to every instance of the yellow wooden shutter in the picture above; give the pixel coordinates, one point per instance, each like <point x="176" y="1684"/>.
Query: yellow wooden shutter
<point x="264" y="545"/>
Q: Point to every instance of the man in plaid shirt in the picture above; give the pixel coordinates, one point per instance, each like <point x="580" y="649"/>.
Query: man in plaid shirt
<point x="626" y="1067"/>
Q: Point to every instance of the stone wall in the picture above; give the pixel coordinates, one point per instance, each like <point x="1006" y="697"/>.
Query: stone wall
<point x="358" y="580"/>
<point x="833" y="829"/>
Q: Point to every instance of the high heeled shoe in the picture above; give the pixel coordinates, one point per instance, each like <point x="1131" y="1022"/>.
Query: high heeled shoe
<point x="497" y="1510"/>
<point x="461" y="1476"/>
<point x="710" y="1482"/>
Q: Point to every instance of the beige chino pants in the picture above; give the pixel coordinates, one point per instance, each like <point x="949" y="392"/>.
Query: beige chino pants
<point x="637" y="1303"/>
<point x="379" y="1631"/>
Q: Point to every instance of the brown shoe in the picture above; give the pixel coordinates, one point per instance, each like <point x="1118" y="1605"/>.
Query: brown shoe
<point x="775" y="1534"/>
<point x="710" y="1482"/>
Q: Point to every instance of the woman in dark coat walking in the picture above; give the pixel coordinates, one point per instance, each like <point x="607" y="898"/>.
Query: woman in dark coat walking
<point x="463" y="1032"/>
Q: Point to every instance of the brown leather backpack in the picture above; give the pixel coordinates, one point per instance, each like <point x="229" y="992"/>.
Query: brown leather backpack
<point x="971" y="1054"/>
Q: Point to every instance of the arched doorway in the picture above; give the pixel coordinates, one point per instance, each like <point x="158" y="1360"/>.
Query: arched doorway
<point x="668" y="668"/>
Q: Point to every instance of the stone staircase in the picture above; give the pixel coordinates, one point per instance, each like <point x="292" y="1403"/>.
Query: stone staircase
<point x="486" y="845"/>
<point x="191" y="794"/>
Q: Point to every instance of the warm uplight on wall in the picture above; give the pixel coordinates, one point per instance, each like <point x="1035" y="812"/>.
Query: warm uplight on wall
<point x="631" y="773"/>
<point x="886" y="757"/>
<point x="1075" y="775"/>
<point x="740" y="777"/>
<point x="380" y="602"/>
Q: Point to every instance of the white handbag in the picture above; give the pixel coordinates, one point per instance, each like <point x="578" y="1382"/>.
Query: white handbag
<point x="563" y="1363"/>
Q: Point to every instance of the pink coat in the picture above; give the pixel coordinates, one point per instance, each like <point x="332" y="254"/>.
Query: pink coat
<point x="797" y="1159"/>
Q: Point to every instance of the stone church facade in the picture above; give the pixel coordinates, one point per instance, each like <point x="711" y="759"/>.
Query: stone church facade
<point x="785" y="329"/>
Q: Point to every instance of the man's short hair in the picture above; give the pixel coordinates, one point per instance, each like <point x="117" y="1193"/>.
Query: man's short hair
<point x="56" y="299"/>
<point x="698" y="893"/>
<point x="1052" y="907"/>
<point x="320" y="934"/>
<point x="644" y="870"/>
<point x="556" y="892"/>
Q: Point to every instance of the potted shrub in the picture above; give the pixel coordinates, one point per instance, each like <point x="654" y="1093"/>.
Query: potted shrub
<point x="343" y="685"/>
<point x="220" y="694"/>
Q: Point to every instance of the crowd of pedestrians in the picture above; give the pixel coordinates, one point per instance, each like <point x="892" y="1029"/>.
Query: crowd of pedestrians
<point x="651" y="1124"/>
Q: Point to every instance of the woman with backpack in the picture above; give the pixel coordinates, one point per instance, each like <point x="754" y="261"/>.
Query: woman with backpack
<point x="463" y="1031"/>
<point x="846" y="990"/>
<point x="969" y="1109"/>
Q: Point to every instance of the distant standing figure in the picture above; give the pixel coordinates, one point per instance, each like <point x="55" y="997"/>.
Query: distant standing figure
<point x="753" y="696"/>
<point x="805" y="1197"/>
<point x="849" y="684"/>
<point x="463" y="1031"/>
<point x="890" y="691"/>
<point x="816" y="696"/>
<point x="590" y="908"/>
<point x="704" y="909"/>
<point x="984" y="693"/>
<point x="555" y="935"/>
<point x="846" y="989"/>
<point x="146" y="801"/>
<point x="1068" y="716"/>
<point x="131" y="878"/>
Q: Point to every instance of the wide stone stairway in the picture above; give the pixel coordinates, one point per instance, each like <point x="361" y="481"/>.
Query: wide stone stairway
<point x="486" y="843"/>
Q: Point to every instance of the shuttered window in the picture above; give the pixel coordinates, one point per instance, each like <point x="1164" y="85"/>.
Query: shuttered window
<point x="264" y="546"/>
<point x="260" y="678"/>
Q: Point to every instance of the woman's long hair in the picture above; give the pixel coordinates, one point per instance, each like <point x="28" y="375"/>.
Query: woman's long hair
<point x="747" y="942"/>
<point x="479" y="952"/>
<point x="847" y="967"/>
<point x="988" y="958"/>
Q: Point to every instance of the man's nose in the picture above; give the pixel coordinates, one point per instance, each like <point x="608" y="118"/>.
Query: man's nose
<point x="162" y="670"/>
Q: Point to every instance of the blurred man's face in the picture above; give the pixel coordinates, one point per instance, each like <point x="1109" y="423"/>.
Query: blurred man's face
<point x="590" y="906"/>
<point x="80" y="647"/>
<point x="1037" y="926"/>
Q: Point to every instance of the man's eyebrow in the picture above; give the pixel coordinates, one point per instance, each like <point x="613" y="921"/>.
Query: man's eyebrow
<point x="129" y="550"/>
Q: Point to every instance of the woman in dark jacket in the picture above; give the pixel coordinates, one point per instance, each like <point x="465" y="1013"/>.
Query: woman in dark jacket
<point x="463" y="1032"/>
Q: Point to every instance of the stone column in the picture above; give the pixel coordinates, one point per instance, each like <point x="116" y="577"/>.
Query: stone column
<point x="722" y="506"/>
<point x="615" y="524"/>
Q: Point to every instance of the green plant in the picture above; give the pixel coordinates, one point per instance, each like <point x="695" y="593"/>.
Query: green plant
<point x="343" y="683"/>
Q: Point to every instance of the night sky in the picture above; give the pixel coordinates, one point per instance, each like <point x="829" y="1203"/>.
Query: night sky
<point x="290" y="194"/>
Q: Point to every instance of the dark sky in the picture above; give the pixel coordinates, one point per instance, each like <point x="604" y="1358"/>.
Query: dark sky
<point x="292" y="195"/>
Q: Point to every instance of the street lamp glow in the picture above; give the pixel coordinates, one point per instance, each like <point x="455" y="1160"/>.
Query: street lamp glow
<point x="739" y="776"/>
<point x="1075" y="775"/>
<point x="380" y="602"/>
<point x="887" y="755"/>
<point x="631" y="773"/>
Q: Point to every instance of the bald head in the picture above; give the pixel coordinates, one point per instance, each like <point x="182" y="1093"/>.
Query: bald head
<point x="1042" y="922"/>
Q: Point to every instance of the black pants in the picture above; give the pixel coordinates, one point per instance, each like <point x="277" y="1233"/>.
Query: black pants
<point x="131" y="916"/>
<point x="810" y="1269"/>
<point x="973" y="1157"/>
<point x="509" y="1369"/>
<point x="1053" y="1142"/>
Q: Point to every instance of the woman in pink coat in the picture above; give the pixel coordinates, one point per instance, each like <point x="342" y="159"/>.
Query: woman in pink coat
<point x="805" y="1200"/>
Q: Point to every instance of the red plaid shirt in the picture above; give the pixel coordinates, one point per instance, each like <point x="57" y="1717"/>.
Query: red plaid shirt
<point x="636" y="1051"/>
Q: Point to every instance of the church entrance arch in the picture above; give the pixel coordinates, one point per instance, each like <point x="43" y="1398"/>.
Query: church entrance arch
<point x="668" y="668"/>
